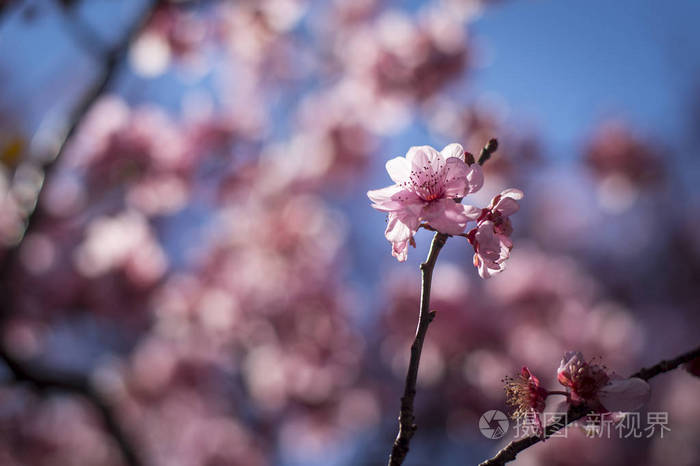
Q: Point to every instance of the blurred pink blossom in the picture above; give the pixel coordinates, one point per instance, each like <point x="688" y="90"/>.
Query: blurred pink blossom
<point x="427" y="183"/>
<point x="614" y="150"/>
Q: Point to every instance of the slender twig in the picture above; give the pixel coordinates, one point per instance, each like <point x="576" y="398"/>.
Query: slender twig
<point x="407" y="427"/>
<point x="510" y="451"/>
<point x="406" y="417"/>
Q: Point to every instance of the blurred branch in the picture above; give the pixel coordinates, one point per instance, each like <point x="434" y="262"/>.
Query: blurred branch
<point x="110" y="66"/>
<point x="5" y="4"/>
<point x="407" y="427"/>
<point x="44" y="379"/>
<point x="510" y="451"/>
<point x="666" y="366"/>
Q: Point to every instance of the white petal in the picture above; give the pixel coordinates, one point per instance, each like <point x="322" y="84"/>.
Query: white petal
<point x="425" y="159"/>
<point x="399" y="170"/>
<point x="624" y="394"/>
<point x="569" y="357"/>
<point x="508" y="203"/>
<point x="475" y="178"/>
<point x="385" y="199"/>
<point x="453" y="150"/>
<point x="472" y="212"/>
<point x="513" y="193"/>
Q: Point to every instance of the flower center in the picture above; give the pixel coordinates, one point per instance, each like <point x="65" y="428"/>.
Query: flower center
<point x="428" y="184"/>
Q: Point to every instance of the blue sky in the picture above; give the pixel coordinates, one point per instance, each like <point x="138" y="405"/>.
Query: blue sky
<point x="566" y="64"/>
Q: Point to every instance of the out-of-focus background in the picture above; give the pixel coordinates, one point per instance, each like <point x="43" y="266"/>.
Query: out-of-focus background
<point x="203" y="260"/>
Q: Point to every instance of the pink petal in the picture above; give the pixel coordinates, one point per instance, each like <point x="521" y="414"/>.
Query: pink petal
<point x="393" y="198"/>
<point x="453" y="150"/>
<point x="446" y="216"/>
<point x="401" y="226"/>
<point x="472" y="213"/>
<point x="508" y="203"/>
<point x="492" y="249"/>
<point x="425" y="161"/>
<point x="487" y="269"/>
<point x="486" y="239"/>
<point x="475" y="178"/>
<point x="506" y="244"/>
<point x="455" y="177"/>
<point x="399" y="250"/>
<point x="624" y="394"/>
<point x="382" y="199"/>
<point x="399" y="170"/>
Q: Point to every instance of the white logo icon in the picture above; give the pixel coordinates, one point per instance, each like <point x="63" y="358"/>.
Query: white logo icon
<point x="493" y="424"/>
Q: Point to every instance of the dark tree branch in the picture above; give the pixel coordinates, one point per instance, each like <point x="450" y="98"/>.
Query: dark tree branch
<point x="510" y="451"/>
<point x="40" y="378"/>
<point x="407" y="427"/>
<point x="111" y="62"/>
<point x="666" y="366"/>
<point x="108" y="74"/>
<point x="406" y="417"/>
<point x="45" y="379"/>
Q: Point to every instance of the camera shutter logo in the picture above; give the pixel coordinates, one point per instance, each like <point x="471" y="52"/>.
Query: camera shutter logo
<point x="494" y="424"/>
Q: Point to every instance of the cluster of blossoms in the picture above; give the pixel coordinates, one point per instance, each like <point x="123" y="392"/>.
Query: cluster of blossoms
<point x="132" y="274"/>
<point x="586" y="383"/>
<point x="204" y="364"/>
<point x="429" y="186"/>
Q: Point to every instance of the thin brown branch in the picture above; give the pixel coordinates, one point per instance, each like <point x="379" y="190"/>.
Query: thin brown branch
<point x="510" y="451"/>
<point x="406" y="417"/>
<point x="407" y="426"/>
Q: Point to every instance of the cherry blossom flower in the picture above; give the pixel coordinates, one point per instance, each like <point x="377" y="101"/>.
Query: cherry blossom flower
<point x="491" y="237"/>
<point x="526" y="395"/>
<point x="591" y="384"/>
<point x="427" y="183"/>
